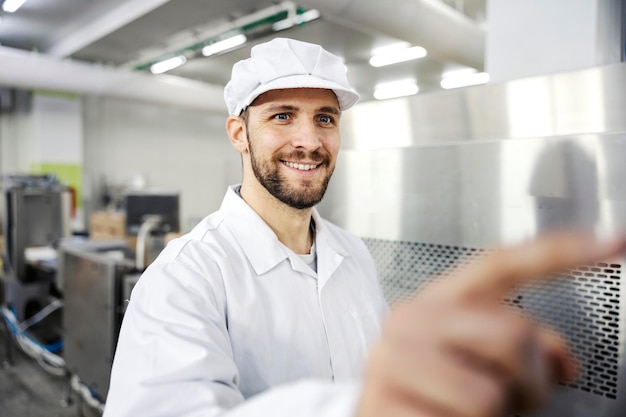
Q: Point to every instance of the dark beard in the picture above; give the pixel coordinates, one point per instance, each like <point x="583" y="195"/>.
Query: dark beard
<point x="270" y="177"/>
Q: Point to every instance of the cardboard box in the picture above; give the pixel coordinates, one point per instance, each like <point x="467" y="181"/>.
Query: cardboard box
<point x="106" y="224"/>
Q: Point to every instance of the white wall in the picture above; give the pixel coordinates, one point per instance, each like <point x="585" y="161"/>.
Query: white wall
<point x="173" y="149"/>
<point x="57" y="144"/>
<point x="58" y="129"/>
<point x="46" y="129"/>
<point x="16" y="133"/>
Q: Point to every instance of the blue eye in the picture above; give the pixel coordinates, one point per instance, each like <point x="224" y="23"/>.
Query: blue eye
<point x="325" y="119"/>
<point x="281" y="116"/>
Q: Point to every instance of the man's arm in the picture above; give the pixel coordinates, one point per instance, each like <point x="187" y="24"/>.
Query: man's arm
<point x="173" y="355"/>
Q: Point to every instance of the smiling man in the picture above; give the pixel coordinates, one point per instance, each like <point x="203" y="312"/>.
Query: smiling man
<point x="266" y="309"/>
<point x="264" y="293"/>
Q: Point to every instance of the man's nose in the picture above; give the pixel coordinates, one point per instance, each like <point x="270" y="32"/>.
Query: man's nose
<point x="307" y="135"/>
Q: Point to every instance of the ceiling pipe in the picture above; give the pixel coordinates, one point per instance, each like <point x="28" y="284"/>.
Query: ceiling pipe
<point x="86" y="33"/>
<point x="446" y="33"/>
<point x="34" y="71"/>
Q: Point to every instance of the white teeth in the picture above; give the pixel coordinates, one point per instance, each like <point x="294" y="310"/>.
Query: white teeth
<point x="301" y="167"/>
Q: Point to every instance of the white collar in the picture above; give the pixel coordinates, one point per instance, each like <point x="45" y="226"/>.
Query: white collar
<point x="264" y="250"/>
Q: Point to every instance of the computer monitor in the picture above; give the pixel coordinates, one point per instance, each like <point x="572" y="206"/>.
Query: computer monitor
<point x="139" y="206"/>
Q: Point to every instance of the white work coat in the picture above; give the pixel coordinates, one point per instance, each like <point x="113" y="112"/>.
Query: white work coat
<point x="229" y="322"/>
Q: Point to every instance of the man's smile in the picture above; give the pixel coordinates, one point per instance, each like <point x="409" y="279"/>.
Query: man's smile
<point x="300" y="166"/>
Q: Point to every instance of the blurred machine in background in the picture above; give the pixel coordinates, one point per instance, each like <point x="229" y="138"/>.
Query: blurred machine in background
<point x="99" y="276"/>
<point x="448" y="177"/>
<point x="139" y="206"/>
<point x="150" y="220"/>
<point x="36" y="217"/>
<point x="35" y="214"/>
<point x="63" y="296"/>
<point x="100" y="273"/>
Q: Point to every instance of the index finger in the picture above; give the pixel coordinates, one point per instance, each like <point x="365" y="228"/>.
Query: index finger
<point x="497" y="274"/>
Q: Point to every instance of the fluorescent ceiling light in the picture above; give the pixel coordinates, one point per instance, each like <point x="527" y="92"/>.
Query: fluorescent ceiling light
<point x="224" y="45"/>
<point x="395" y="89"/>
<point x="389" y="48"/>
<point x="462" y="72"/>
<point x="11" y="6"/>
<point x="168" y="64"/>
<point x="394" y="56"/>
<point x="464" y="80"/>
<point x="282" y="24"/>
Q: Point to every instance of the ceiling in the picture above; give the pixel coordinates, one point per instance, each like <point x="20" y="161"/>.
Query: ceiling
<point x="130" y="34"/>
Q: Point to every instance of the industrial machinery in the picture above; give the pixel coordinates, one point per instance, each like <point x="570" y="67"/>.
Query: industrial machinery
<point x="99" y="276"/>
<point x="440" y="179"/>
<point x="98" y="279"/>
<point x="139" y="206"/>
<point x="36" y="217"/>
<point x="64" y="297"/>
<point x="150" y="217"/>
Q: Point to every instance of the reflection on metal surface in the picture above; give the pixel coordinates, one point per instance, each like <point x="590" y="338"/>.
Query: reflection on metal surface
<point x="481" y="193"/>
<point x="388" y="124"/>
<point x="573" y="103"/>
<point x="470" y="170"/>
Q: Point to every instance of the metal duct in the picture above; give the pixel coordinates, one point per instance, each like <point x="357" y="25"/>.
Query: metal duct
<point x="444" y="32"/>
<point x="34" y="71"/>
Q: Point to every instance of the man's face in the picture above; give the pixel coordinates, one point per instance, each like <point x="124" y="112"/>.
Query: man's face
<point x="293" y="139"/>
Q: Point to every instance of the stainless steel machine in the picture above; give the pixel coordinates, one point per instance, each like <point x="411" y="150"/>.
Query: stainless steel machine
<point x="439" y="179"/>
<point x="99" y="276"/>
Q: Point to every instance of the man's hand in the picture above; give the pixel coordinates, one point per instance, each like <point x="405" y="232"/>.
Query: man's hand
<point x="455" y="350"/>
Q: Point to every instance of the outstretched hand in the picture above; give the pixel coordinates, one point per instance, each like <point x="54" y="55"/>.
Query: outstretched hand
<point x="456" y="350"/>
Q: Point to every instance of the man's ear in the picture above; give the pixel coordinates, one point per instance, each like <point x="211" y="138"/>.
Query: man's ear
<point x="236" y="130"/>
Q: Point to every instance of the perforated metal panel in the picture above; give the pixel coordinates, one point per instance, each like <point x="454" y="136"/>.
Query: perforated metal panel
<point x="405" y="266"/>
<point x="582" y="304"/>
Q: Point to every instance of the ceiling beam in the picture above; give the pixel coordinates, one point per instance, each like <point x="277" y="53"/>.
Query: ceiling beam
<point x="88" y="32"/>
<point x="34" y="71"/>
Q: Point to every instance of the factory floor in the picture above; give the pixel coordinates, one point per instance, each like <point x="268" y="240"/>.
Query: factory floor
<point x="26" y="390"/>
